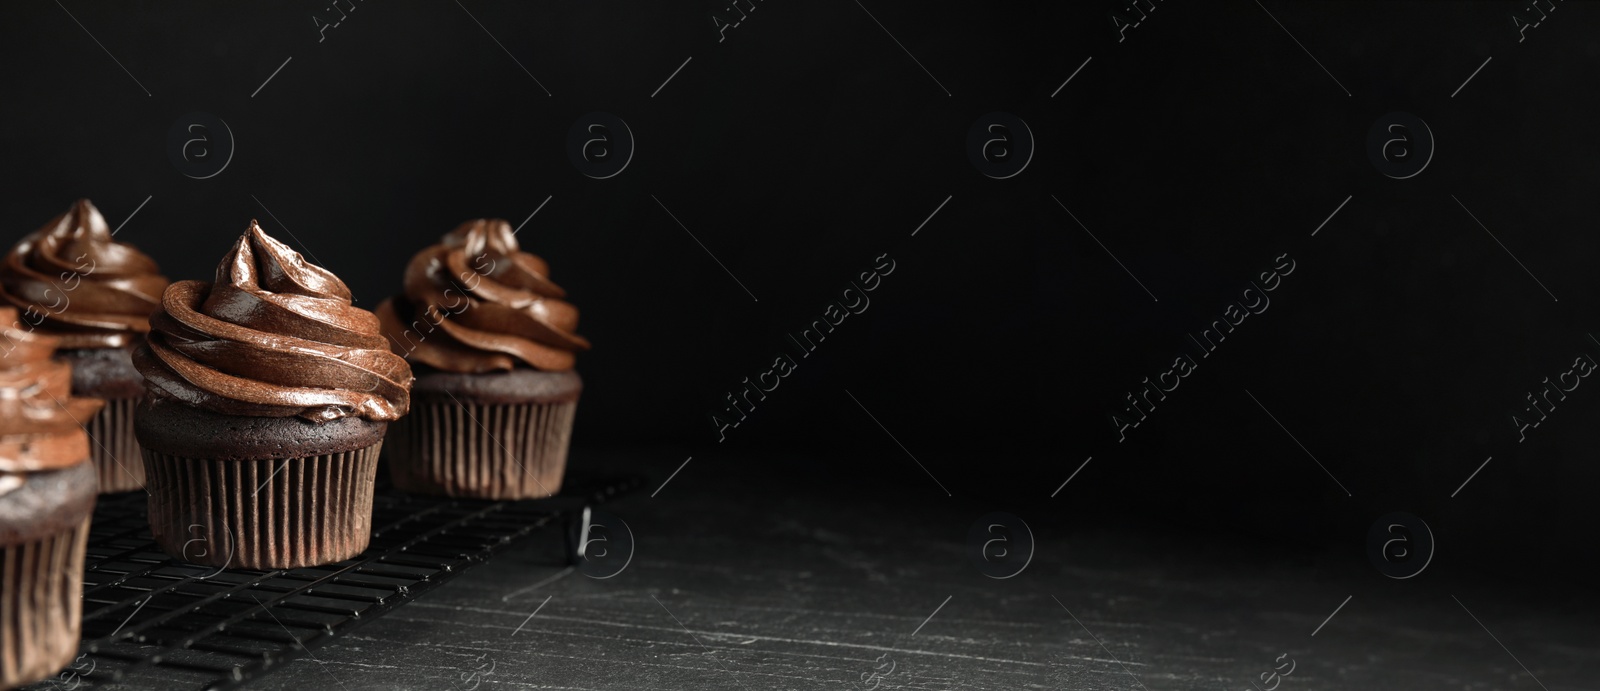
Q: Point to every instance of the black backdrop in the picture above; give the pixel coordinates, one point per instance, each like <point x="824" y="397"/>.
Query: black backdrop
<point x="807" y="142"/>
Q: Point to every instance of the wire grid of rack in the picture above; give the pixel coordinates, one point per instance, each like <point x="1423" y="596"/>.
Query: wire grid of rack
<point x="150" y="619"/>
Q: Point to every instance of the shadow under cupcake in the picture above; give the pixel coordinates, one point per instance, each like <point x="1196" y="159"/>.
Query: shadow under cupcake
<point x="268" y="397"/>
<point x="494" y="346"/>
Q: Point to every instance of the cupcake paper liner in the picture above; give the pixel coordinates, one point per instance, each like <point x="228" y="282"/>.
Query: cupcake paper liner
<point x="262" y="514"/>
<point x="114" y="449"/>
<point x="41" y="600"/>
<point x="483" y="451"/>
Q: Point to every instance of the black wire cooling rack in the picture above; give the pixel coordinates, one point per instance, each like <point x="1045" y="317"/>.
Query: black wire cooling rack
<point x="152" y="619"/>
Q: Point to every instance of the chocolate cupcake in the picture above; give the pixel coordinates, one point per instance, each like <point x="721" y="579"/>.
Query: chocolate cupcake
<point x="71" y="280"/>
<point x="493" y="346"/>
<point x="47" y="493"/>
<point x="268" y="394"/>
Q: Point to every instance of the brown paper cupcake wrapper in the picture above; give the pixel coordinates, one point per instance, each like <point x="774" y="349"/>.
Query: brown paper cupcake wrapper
<point x="484" y="451"/>
<point x="41" y="599"/>
<point x="265" y="514"/>
<point x="114" y="449"/>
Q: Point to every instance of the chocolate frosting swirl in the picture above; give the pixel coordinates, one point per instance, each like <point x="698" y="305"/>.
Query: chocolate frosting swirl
<point x="73" y="280"/>
<point x="273" y="336"/>
<point x="476" y="303"/>
<point x="40" y="421"/>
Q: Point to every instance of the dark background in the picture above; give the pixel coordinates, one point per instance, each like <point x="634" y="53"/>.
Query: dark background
<point x="807" y="143"/>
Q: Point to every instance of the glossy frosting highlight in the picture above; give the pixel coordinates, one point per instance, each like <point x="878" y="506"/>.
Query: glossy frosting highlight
<point x="477" y="303"/>
<point x="73" y="280"/>
<point x="39" y="419"/>
<point x="272" y="336"/>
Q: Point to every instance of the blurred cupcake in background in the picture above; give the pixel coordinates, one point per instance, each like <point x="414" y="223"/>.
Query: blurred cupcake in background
<point x="72" y="280"/>
<point x="47" y="495"/>
<point x="493" y="347"/>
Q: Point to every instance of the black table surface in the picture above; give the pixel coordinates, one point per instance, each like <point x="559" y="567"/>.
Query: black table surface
<point x="760" y="574"/>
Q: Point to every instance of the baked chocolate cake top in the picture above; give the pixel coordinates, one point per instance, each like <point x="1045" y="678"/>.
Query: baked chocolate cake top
<point x="40" y="435"/>
<point x="169" y="426"/>
<point x="272" y="336"/>
<point x="72" y="280"/>
<point x="518" y="386"/>
<point x="103" y="372"/>
<point x="46" y="502"/>
<point x="477" y="303"/>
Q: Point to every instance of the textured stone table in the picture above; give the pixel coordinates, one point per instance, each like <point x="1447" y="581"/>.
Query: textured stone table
<point x="756" y="576"/>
